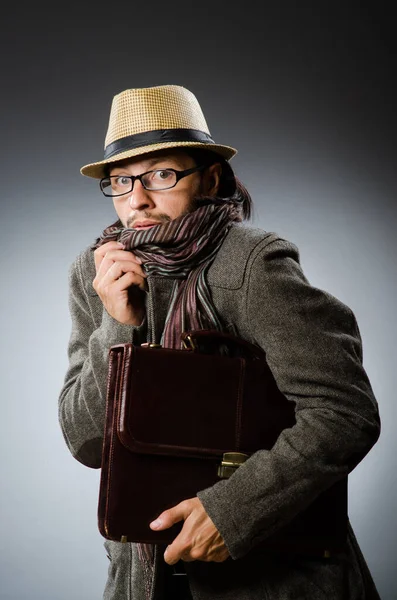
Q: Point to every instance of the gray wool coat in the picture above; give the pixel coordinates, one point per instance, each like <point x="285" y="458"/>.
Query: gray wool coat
<point x="314" y="350"/>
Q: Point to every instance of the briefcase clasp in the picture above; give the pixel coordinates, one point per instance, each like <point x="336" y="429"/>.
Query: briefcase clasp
<point x="151" y="345"/>
<point x="189" y="343"/>
<point x="230" y="462"/>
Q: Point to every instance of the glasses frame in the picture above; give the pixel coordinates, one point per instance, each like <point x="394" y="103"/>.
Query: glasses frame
<point x="179" y="175"/>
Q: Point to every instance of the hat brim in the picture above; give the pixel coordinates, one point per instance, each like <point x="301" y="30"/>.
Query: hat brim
<point x="97" y="169"/>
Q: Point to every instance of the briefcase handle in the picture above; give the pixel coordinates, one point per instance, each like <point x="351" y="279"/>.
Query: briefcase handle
<point x="198" y="339"/>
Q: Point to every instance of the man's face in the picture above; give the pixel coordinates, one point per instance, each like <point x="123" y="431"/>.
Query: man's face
<point x="164" y="205"/>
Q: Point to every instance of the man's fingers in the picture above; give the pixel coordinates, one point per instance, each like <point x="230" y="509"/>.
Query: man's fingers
<point x="118" y="256"/>
<point x="116" y="271"/>
<point x="129" y="279"/>
<point x="100" y="252"/>
<point x="121" y="255"/>
<point x="176" y="551"/>
<point x="112" y="256"/>
<point x="171" y="515"/>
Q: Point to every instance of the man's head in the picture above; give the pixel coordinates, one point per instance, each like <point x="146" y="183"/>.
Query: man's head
<point x="164" y="122"/>
<point x="159" y="205"/>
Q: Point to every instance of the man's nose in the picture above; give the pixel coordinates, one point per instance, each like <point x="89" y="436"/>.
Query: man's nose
<point x="139" y="197"/>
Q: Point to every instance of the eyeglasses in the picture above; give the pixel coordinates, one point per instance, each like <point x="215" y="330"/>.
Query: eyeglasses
<point x="159" y="179"/>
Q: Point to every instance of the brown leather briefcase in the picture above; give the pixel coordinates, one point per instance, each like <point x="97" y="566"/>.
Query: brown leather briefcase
<point x="179" y="420"/>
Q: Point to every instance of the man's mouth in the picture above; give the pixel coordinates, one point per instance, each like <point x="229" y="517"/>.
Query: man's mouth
<point x="145" y="224"/>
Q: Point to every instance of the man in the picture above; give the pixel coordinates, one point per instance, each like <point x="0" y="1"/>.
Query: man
<point x="179" y="238"/>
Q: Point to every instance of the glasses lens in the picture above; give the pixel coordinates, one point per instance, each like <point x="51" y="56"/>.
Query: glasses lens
<point x="116" y="185"/>
<point x="160" y="179"/>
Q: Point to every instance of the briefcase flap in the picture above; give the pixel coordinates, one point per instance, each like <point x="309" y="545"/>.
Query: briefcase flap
<point x="181" y="403"/>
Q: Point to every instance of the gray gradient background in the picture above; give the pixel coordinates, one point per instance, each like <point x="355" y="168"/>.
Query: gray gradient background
<point x="307" y="98"/>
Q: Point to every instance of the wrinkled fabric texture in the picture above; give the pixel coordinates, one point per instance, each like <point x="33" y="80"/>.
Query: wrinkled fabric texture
<point x="314" y="349"/>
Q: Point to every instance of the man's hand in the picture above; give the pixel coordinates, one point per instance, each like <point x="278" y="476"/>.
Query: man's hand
<point x="199" y="539"/>
<point x="120" y="283"/>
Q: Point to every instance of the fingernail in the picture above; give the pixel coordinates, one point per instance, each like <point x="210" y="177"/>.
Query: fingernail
<point x="120" y="244"/>
<point x="138" y="260"/>
<point x="155" y="524"/>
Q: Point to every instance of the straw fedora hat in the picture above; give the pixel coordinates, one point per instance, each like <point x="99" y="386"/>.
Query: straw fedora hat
<point x="147" y="119"/>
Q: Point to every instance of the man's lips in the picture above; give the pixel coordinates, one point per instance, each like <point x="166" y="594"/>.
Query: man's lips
<point x="144" y="224"/>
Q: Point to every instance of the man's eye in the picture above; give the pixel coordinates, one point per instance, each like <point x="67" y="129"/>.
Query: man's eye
<point x="163" y="174"/>
<point x="123" y="181"/>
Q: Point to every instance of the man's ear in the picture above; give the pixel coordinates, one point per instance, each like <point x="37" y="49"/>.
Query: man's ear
<point x="212" y="179"/>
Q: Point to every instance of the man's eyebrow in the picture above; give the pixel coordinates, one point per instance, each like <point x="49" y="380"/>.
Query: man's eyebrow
<point x="153" y="161"/>
<point x="150" y="162"/>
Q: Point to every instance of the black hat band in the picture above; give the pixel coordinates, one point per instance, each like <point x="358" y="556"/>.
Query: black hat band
<point x="157" y="136"/>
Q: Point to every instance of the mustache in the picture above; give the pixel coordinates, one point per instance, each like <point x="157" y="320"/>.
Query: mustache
<point x="197" y="201"/>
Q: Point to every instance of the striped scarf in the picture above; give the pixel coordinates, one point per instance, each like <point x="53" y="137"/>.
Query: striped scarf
<point x="183" y="249"/>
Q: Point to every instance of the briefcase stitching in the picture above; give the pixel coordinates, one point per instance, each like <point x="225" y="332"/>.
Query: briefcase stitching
<point x="120" y="368"/>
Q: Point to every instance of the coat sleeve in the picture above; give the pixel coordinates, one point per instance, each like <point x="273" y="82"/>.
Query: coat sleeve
<point x="83" y="396"/>
<point x="314" y="351"/>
